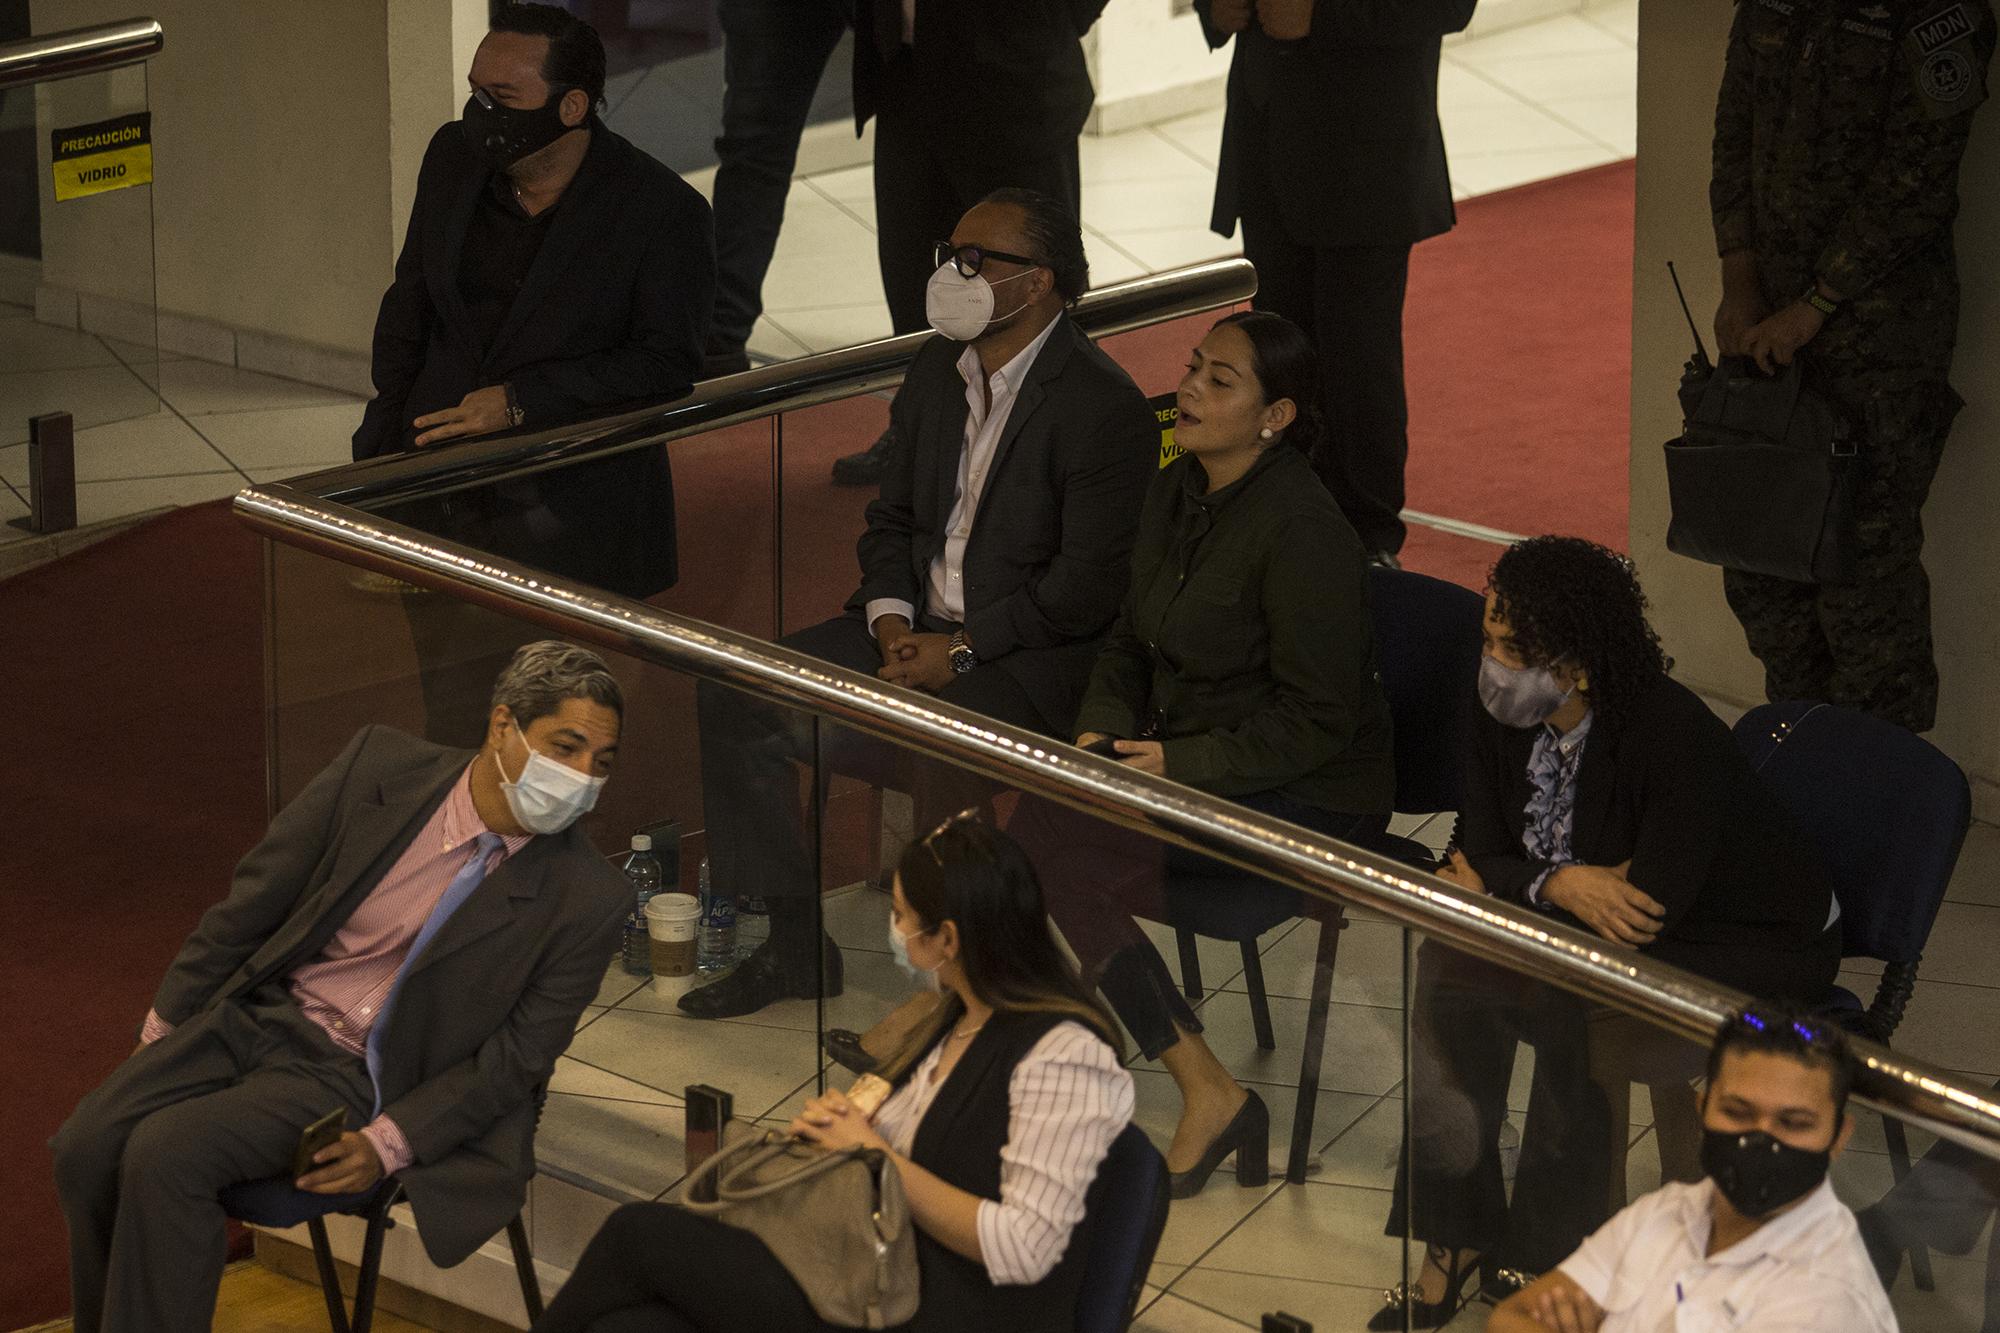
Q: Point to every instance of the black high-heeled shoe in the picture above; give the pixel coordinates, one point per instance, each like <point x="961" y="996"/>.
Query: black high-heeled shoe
<point x="1405" y="1302"/>
<point x="1248" y="1135"/>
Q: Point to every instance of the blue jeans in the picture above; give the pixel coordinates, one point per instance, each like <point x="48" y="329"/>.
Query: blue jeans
<point x="773" y="53"/>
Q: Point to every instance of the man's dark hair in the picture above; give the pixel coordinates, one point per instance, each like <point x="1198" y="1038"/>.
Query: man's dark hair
<point x="1053" y="235"/>
<point x="576" y="53"/>
<point x="1782" y="1030"/>
<point x="1572" y="602"/>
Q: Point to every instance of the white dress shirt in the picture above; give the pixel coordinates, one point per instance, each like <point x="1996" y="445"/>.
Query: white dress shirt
<point x="984" y="425"/>
<point x="1803" y="1272"/>
<point x="1067" y="1100"/>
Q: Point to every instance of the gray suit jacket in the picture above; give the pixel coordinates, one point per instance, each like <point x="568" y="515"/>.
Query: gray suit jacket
<point x="482" y="1016"/>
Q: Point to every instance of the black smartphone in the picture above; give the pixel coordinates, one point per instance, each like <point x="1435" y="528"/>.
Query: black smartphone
<point x="708" y="1112"/>
<point x="321" y="1134"/>
<point x="1108" y="747"/>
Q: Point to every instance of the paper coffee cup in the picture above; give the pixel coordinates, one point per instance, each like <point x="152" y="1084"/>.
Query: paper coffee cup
<point x="671" y="919"/>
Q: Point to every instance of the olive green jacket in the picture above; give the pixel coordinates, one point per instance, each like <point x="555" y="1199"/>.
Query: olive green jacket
<point x="1245" y="642"/>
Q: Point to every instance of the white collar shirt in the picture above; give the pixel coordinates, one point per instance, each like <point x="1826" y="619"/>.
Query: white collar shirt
<point x="1803" y="1272"/>
<point x="985" y="424"/>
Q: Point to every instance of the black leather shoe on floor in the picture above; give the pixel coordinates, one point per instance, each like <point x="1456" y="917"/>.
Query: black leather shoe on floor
<point x="1405" y="1306"/>
<point x="1248" y="1135"/>
<point x="866" y="467"/>
<point x="761" y="980"/>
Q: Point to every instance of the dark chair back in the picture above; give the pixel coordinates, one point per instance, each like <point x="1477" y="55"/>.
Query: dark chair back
<point x="276" y="1202"/>
<point x="1887" y="810"/>
<point x="1127" y="1206"/>
<point x="1427" y="644"/>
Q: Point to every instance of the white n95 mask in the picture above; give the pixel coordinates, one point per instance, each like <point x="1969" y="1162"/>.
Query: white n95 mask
<point x="959" y="307"/>
<point x="548" y="797"/>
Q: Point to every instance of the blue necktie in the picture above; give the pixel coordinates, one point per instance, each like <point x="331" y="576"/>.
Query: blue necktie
<point x="455" y="893"/>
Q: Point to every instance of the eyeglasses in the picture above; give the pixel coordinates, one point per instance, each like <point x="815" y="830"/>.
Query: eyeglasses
<point x="969" y="815"/>
<point x="968" y="259"/>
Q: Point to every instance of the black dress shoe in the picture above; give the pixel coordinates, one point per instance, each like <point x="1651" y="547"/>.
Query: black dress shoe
<point x="844" y="1048"/>
<point x="1248" y="1135"/>
<point x="764" y="979"/>
<point x="866" y="468"/>
<point x="1406" y="1307"/>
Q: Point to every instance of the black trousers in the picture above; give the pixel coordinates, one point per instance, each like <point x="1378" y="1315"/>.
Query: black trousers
<point x="773" y="55"/>
<point x="760" y="833"/>
<point x="140" y="1162"/>
<point x="1468" y="1020"/>
<point x="928" y="175"/>
<point x="655" y="1268"/>
<point x="1349" y="301"/>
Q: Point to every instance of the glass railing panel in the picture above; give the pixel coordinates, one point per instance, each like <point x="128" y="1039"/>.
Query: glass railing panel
<point x="823" y="520"/>
<point x="90" y="347"/>
<point x="1925" y="1207"/>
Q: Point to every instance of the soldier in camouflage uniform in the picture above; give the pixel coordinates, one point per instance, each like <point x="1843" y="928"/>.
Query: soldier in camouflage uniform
<point x="1838" y="137"/>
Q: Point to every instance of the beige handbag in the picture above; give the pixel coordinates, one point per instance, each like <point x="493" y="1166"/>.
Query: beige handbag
<point x="837" y="1221"/>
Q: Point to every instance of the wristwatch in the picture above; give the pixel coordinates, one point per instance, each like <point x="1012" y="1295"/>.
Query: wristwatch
<point x="962" y="658"/>
<point x="1825" y="305"/>
<point x="514" y="413"/>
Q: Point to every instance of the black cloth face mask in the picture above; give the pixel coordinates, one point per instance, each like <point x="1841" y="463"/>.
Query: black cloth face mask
<point x="503" y="135"/>
<point x="1757" y="1173"/>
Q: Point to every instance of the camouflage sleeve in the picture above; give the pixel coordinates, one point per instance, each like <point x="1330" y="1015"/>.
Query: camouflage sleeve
<point x="1912" y="190"/>
<point x="1729" y="178"/>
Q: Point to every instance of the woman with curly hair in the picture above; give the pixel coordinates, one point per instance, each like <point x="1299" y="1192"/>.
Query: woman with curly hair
<point x="1603" y="792"/>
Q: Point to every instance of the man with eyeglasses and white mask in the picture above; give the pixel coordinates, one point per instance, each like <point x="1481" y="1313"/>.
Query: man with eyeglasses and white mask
<point x="411" y="944"/>
<point x="1761" y="1242"/>
<point x="994" y="561"/>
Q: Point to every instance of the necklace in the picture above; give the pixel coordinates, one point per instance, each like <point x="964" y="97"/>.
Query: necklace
<point x="960" y="1034"/>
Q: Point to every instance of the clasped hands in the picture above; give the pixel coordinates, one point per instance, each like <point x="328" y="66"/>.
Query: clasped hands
<point x="832" y="1122"/>
<point x="912" y="658"/>
<point x="1285" y="20"/>
<point x="346" y="1167"/>
<point x="1599" y="896"/>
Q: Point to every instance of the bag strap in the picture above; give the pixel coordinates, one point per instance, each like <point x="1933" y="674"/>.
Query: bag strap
<point x="712" y="1165"/>
<point x="823" y="1161"/>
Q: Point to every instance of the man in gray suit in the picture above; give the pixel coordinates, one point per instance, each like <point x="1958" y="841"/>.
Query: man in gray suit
<point x="412" y="943"/>
<point x="994" y="562"/>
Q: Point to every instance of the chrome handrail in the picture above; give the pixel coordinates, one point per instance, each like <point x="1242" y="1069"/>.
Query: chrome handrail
<point x="1519" y="939"/>
<point x="790" y="386"/>
<point x="64" y="55"/>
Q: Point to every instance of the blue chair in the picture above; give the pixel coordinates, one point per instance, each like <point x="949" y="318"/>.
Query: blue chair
<point x="1427" y="646"/>
<point x="276" y="1203"/>
<point x="1128" y="1207"/>
<point x="1888" y="812"/>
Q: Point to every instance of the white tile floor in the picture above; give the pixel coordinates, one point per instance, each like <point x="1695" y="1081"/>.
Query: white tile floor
<point x="1231" y="1254"/>
<point x="1518" y="105"/>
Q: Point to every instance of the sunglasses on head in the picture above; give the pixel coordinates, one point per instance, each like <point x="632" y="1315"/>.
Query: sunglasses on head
<point x="969" y="259"/>
<point x="969" y="815"/>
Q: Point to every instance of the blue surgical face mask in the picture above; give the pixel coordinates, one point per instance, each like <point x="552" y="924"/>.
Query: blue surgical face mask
<point x="899" y="945"/>
<point x="1519" y="696"/>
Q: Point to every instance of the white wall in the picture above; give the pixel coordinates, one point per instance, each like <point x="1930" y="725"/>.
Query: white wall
<point x="1680" y="63"/>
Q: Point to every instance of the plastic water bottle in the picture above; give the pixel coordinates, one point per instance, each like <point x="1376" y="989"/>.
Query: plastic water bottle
<point x="643" y="877"/>
<point x="715" y="942"/>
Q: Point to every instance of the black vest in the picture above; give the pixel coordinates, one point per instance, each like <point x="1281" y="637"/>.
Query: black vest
<point x="959" y="1141"/>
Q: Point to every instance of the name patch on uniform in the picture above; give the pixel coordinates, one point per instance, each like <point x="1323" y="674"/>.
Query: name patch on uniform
<point x="1166" y="410"/>
<point x="104" y="155"/>
<point x="1875" y="30"/>
<point x="1785" y="7"/>
<point x="1942" y="29"/>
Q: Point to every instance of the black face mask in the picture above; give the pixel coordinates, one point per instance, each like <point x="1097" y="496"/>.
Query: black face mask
<point x="1758" y="1174"/>
<point x="503" y="135"/>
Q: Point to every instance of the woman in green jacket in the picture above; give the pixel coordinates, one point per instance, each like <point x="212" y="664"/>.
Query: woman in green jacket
<point x="1242" y="664"/>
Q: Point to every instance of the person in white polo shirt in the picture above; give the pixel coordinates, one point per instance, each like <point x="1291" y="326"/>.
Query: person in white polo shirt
<point x="1760" y="1243"/>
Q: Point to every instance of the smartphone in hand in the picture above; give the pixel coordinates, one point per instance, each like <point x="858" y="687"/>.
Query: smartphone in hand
<point x="321" y="1134"/>
<point x="1108" y="747"/>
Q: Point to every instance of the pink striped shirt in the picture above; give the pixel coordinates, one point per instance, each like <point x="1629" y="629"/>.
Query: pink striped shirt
<point x="343" y="988"/>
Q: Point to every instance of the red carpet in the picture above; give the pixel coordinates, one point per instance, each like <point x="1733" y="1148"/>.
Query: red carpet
<point x="136" y="667"/>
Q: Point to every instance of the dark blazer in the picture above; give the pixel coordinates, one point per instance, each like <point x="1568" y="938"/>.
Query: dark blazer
<point x="1051" y="544"/>
<point x="1010" y="71"/>
<point x="1246" y="644"/>
<point x="614" y="311"/>
<point x="482" y="1016"/>
<point x="1344" y="121"/>
<point x="1667" y="789"/>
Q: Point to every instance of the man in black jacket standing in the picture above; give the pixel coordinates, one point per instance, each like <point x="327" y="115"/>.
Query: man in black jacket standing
<point x="551" y="271"/>
<point x="1333" y="160"/>
<point x="968" y="96"/>
<point x="994" y="562"/>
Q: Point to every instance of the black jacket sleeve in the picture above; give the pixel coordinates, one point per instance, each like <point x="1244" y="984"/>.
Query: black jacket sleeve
<point x="887" y="547"/>
<point x="1683" y="806"/>
<point x="402" y="327"/>
<point x="1488" y="833"/>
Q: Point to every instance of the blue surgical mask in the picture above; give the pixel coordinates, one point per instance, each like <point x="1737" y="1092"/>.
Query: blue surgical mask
<point x="899" y="945"/>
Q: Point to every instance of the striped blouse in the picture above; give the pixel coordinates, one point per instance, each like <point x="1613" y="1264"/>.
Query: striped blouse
<point x="1068" y="1099"/>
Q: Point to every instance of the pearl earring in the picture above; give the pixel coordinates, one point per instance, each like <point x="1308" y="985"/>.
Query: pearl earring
<point x="1264" y="434"/>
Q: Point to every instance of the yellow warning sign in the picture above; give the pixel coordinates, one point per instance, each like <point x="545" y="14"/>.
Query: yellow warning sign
<point x="1166" y="410"/>
<point x="107" y="155"/>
